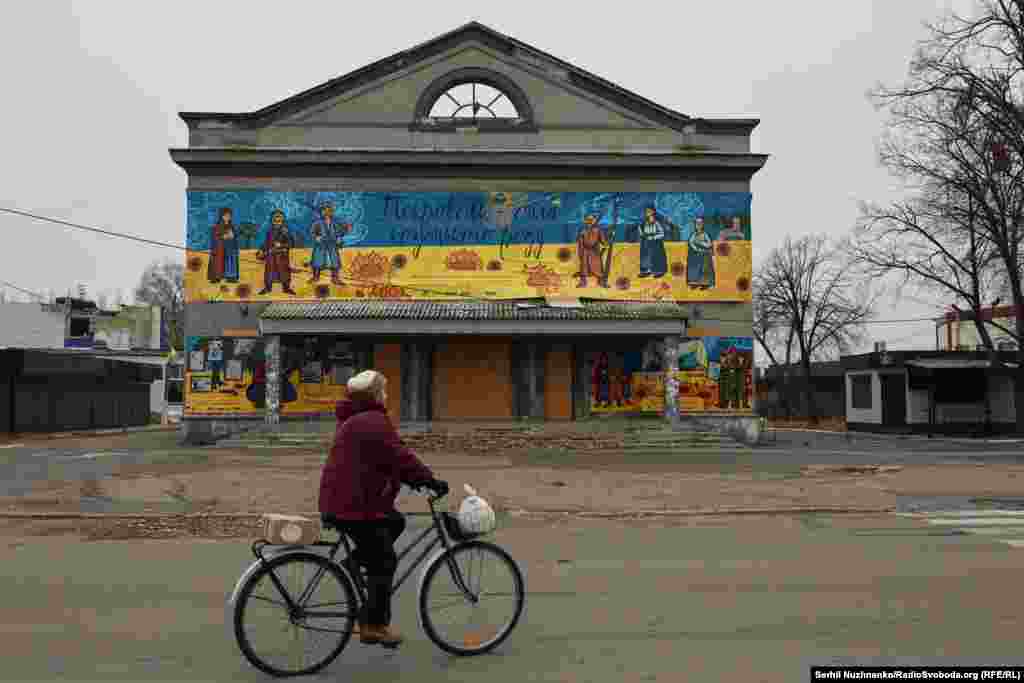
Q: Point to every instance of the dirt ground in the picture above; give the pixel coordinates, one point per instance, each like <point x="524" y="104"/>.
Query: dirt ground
<point x="230" y="483"/>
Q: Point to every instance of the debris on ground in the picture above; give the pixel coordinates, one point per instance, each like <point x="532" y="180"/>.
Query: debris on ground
<point x="848" y="469"/>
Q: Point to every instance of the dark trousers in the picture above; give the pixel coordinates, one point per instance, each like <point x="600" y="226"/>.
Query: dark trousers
<point x="375" y="550"/>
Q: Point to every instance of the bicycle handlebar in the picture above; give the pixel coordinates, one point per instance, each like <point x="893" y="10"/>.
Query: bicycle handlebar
<point x="423" y="490"/>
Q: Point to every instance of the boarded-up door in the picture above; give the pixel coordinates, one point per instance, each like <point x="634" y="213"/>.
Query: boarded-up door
<point x="472" y="380"/>
<point x="558" y="383"/>
<point x="387" y="359"/>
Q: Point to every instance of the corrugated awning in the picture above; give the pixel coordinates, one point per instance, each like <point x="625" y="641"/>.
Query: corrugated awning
<point x="476" y="317"/>
<point x="950" y="363"/>
<point x="956" y="364"/>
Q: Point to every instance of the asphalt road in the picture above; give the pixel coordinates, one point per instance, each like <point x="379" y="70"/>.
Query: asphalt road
<point x="726" y="599"/>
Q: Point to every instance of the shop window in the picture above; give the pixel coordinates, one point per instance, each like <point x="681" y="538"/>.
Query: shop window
<point x="860" y="391"/>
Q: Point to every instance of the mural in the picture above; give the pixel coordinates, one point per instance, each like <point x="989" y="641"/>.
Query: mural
<point x="714" y="373"/>
<point x="260" y="245"/>
<point x="227" y="376"/>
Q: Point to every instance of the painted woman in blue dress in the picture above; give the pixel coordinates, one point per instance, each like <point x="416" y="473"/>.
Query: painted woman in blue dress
<point x="652" y="234"/>
<point x="700" y="262"/>
<point x="326" y="245"/>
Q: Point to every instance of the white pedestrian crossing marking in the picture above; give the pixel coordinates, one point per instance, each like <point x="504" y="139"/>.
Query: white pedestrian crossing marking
<point x="1004" y="526"/>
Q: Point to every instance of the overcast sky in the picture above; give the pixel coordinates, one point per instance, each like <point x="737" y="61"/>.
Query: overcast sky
<point x="92" y="91"/>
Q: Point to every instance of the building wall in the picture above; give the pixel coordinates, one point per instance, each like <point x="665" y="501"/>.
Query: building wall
<point x="378" y="114"/>
<point x="471" y="377"/>
<point x="73" y="403"/>
<point x="964" y="333"/>
<point x="31" y="326"/>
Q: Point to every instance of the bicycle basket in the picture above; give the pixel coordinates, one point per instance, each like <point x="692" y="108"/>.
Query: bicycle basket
<point x="454" y="529"/>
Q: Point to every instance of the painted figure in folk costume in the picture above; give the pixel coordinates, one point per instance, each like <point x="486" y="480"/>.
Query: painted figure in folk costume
<point x="652" y="234"/>
<point x="616" y="385"/>
<point x="731" y="379"/>
<point x="327" y="245"/>
<point x="700" y="262"/>
<point x="215" y="363"/>
<point x="733" y="232"/>
<point x="223" y="263"/>
<point x="276" y="254"/>
<point x="600" y="381"/>
<point x="590" y="244"/>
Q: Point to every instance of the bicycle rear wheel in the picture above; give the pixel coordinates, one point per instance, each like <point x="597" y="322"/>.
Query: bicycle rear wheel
<point x="453" y="621"/>
<point x="280" y="642"/>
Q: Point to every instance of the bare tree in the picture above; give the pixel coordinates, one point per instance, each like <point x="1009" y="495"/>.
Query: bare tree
<point x="933" y="243"/>
<point x="162" y="284"/>
<point x="958" y="123"/>
<point x="810" y="293"/>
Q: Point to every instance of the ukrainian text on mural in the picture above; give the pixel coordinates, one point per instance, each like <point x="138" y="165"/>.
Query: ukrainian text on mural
<point x="262" y="245"/>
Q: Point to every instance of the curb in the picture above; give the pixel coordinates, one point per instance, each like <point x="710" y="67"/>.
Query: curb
<point x="98" y="432"/>
<point x="901" y="437"/>
<point x="515" y="513"/>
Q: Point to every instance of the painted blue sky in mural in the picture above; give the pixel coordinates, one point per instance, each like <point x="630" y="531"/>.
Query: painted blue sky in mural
<point x="458" y="218"/>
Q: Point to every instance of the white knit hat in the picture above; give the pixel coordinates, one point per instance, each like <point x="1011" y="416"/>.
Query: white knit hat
<point x="366" y="382"/>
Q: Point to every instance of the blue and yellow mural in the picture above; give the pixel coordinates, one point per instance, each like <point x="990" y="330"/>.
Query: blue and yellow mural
<point x="637" y="246"/>
<point x="714" y="373"/>
<point x="227" y="376"/>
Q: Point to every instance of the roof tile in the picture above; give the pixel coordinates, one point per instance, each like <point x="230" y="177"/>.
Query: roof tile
<point x="462" y="310"/>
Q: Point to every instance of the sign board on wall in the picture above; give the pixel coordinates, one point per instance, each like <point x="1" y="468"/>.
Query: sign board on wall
<point x="259" y="245"/>
<point x="227" y="376"/>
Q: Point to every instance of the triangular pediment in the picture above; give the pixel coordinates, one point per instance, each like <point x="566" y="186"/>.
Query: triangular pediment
<point x="387" y="91"/>
<point x="553" y="99"/>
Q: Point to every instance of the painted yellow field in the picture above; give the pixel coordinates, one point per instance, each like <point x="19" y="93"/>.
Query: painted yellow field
<point x="477" y="272"/>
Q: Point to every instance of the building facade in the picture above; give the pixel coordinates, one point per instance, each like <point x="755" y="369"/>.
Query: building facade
<point x="933" y="392"/>
<point x="957" y="331"/>
<point x="501" y="233"/>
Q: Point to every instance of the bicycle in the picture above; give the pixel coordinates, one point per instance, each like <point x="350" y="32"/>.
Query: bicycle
<point x="349" y="582"/>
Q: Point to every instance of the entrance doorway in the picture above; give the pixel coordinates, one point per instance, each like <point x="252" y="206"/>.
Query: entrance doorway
<point x="894" y="400"/>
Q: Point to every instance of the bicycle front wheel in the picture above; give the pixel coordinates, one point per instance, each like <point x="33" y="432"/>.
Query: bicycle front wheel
<point x="282" y="641"/>
<point x="477" y="616"/>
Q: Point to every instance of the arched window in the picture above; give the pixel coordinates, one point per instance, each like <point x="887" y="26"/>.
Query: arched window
<point x="473" y="98"/>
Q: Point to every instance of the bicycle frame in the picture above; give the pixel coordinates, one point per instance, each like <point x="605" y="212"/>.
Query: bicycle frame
<point x="296" y="607"/>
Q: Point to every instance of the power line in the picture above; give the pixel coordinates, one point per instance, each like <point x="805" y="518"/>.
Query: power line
<point x="23" y="291"/>
<point x="109" y="233"/>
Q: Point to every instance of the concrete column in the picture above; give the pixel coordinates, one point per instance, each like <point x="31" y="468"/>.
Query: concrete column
<point x="582" y="389"/>
<point x="534" y="387"/>
<point x="415" y="382"/>
<point x="272" y="351"/>
<point x="669" y="364"/>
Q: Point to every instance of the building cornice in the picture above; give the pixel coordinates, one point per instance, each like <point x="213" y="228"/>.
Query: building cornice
<point x="195" y="159"/>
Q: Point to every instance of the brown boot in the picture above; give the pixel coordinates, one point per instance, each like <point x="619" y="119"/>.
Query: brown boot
<point x="379" y="635"/>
